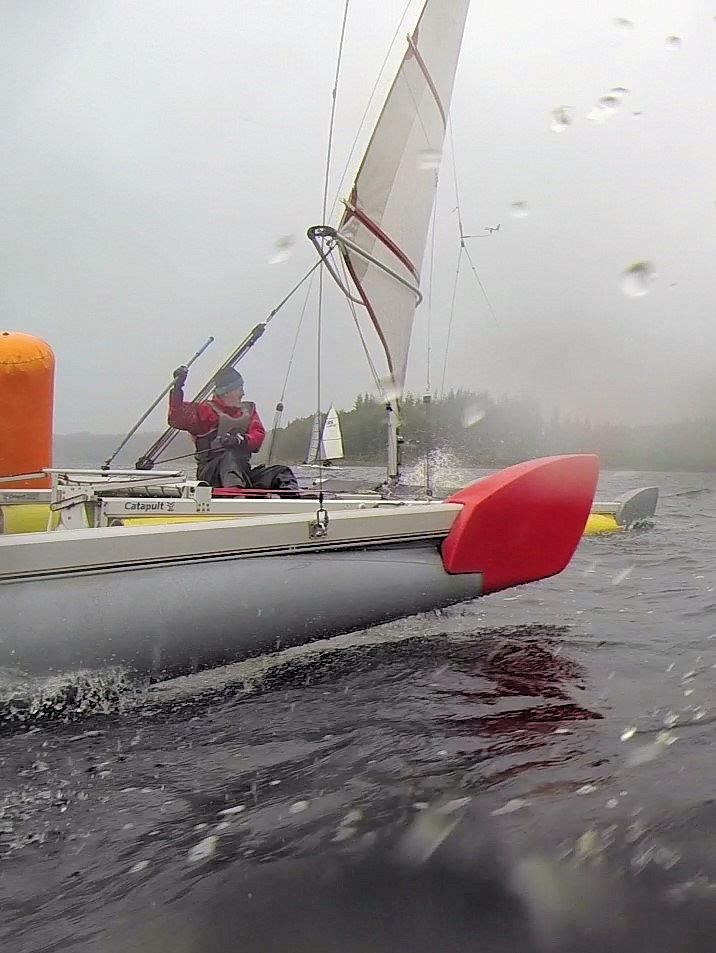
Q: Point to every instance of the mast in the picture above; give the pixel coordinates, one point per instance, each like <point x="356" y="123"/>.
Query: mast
<point x="383" y="232"/>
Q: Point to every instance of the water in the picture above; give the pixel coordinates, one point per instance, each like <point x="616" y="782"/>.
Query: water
<point x="526" y="772"/>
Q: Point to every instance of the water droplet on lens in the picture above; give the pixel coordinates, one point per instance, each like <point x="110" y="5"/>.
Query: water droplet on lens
<point x="560" y="119"/>
<point x="472" y="415"/>
<point x="516" y="804"/>
<point x="283" y="249"/>
<point x="610" y="103"/>
<point x="673" y="42"/>
<point x="429" y="158"/>
<point x="519" y="210"/>
<point x="635" y="281"/>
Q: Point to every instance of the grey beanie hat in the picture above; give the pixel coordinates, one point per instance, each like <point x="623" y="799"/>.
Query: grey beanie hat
<point x="228" y="380"/>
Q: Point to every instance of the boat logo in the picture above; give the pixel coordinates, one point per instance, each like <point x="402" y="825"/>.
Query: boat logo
<point x="155" y="506"/>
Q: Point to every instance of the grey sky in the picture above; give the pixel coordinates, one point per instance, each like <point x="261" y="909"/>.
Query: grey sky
<point x="152" y="154"/>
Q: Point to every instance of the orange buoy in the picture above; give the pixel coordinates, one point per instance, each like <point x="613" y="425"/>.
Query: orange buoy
<point x="27" y="374"/>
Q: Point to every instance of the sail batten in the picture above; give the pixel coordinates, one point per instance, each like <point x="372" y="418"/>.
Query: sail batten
<point x="386" y="220"/>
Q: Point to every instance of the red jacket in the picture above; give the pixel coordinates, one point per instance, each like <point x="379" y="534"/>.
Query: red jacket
<point x="200" y="418"/>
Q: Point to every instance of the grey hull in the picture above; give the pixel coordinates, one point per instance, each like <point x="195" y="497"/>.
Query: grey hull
<point x="177" y="618"/>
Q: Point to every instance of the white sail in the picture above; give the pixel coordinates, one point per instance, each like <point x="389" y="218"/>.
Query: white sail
<point x="388" y="213"/>
<point x="331" y="438"/>
<point x="313" y="442"/>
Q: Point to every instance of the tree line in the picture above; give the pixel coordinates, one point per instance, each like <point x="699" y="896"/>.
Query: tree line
<point x="481" y="430"/>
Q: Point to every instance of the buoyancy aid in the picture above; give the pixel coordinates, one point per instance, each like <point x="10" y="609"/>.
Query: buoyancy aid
<point x="225" y="466"/>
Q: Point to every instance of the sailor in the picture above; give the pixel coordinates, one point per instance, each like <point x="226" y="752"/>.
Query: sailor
<point x="226" y="429"/>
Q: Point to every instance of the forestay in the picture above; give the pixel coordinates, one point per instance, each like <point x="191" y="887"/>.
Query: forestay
<point x="388" y="213"/>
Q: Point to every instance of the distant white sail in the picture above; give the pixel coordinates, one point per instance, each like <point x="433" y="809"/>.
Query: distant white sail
<point x="331" y="438"/>
<point x="388" y="213"/>
<point x="313" y="442"/>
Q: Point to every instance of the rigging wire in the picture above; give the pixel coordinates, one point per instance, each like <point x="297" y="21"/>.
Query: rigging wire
<point x="279" y="405"/>
<point x="368" y="356"/>
<point x="322" y="516"/>
<point x="450" y="321"/>
<point x="463" y="250"/>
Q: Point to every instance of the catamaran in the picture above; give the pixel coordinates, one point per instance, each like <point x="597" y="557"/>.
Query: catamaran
<point x="166" y="596"/>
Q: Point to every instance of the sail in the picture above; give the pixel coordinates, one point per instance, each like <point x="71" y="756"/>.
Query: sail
<point x="388" y="213"/>
<point x="313" y="443"/>
<point x="331" y="438"/>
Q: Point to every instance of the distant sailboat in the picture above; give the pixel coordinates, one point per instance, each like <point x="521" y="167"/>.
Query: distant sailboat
<point x="331" y="440"/>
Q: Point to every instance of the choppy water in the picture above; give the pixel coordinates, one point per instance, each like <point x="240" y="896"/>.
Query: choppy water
<point x="527" y="772"/>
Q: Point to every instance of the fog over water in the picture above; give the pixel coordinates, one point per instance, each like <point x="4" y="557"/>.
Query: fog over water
<point x="154" y="155"/>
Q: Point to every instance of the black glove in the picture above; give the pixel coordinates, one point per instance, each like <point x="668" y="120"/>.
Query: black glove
<point x="232" y="440"/>
<point x="180" y="375"/>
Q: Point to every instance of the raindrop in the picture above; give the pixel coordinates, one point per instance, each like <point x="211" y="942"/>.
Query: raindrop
<point x="598" y="114"/>
<point x="560" y="119"/>
<point x="203" y="850"/>
<point x="140" y="865"/>
<point x="429" y="158"/>
<point x="636" y="279"/>
<point x="519" y="210"/>
<point x="623" y="24"/>
<point x="666" y="738"/>
<point x="586" y="789"/>
<point x="516" y="804"/>
<point x="613" y="802"/>
<point x="699" y="713"/>
<point x="282" y="250"/>
<point x="298" y="807"/>
<point x="628" y="733"/>
<point x="670" y="668"/>
<point x="673" y="42"/>
<point x="670" y="719"/>
<point x="232" y="810"/>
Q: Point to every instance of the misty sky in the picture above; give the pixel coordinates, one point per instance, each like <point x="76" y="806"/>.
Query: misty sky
<point x="153" y="153"/>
